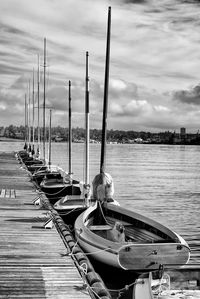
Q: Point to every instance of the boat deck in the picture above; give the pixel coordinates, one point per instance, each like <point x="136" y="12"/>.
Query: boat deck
<point x="34" y="261"/>
<point x="136" y="234"/>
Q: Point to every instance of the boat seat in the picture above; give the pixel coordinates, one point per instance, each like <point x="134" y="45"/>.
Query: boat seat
<point x="100" y="227"/>
<point x="139" y="234"/>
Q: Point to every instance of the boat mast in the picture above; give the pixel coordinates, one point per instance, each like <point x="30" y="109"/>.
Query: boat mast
<point x="25" y="122"/>
<point x="33" y="99"/>
<point x="44" y="100"/>
<point x="87" y="130"/>
<point x="38" y="98"/>
<point x="29" y="117"/>
<point x="105" y="103"/>
<point x="50" y="113"/>
<point x="70" y="131"/>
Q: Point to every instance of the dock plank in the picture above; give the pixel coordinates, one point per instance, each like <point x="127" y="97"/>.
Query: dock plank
<point x="33" y="261"/>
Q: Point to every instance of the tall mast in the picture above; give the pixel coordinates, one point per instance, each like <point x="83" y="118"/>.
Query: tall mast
<point x="27" y="133"/>
<point x="70" y="131"/>
<point x="44" y="100"/>
<point x="33" y="99"/>
<point x="25" y="116"/>
<point x="50" y="113"/>
<point x="25" y="122"/>
<point x="29" y="116"/>
<point x="87" y="130"/>
<point x="38" y="98"/>
<point x="105" y="103"/>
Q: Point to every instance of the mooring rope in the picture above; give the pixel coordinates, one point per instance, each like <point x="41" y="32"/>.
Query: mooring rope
<point x="56" y="193"/>
<point x="67" y="213"/>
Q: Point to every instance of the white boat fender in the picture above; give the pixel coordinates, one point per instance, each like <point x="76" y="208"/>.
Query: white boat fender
<point x="99" y="289"/>
<point x="71" y="244"/>
<point x="94" y="281"/>
<point x="65" y="232"/>
<point x="80" y="256"/>
<point x="70" y="241"/>
<point x="59" y="220"/>
<point x="92" y="277"/>
<point x="68" y="238"/>
<point x="76" y="249"/>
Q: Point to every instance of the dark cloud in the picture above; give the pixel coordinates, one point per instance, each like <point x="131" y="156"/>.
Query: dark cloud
<point x="57" y="96"/>
<point x="174" y="74"/>
<point x="11" y="30"/>
<point x="190" y="1"/>
<point x="168" y="121"/>
<point x="6" y="70"/>
<point x="191" y="97"/>
<point x="20" y="83"/>
<point x="3" y="54"/>
<point x="10" y="106"/>
<point x="135" y="1"/>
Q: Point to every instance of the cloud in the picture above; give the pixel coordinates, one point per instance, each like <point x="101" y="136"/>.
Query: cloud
<point x="2" y="107"/>
<point x="190" y="97"/>
<point x="154" y="60"/>
<point x="136" y="107"/>
<point x="117" y="85"/>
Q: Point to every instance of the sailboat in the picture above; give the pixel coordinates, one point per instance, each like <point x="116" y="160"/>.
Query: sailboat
<point x="44" y="170"/>
<point x="35" y="164"/>
<point x="25" y="127"/>
<point x="27" y="157"/>
<point x="119" y="237"/>
<point x="57" y="188"/>
<point x="79" y="202"/>
<point x="51" y="171"/>
<point x="23" y="154"/>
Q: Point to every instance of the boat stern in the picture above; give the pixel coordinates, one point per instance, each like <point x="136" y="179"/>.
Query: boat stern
<point x="148" y="257"/>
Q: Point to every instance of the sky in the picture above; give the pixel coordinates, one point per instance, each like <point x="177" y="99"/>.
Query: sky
<point x="154" y="82"/>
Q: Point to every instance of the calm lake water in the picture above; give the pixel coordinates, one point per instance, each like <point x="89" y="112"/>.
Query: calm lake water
<point x="159" y="181"/>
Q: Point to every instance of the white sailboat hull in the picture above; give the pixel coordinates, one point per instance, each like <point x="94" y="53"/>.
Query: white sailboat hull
<point x="132" y="255"/>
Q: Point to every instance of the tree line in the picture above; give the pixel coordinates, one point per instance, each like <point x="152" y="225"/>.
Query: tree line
<point x="119" y="136"/>
<point x="20" y="132"/>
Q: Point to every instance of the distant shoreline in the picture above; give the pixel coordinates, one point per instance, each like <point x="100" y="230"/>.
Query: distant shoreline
<point x="2" y="139"/>
<point x="5" y="139"/>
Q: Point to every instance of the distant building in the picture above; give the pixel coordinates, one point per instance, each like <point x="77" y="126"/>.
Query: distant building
<point x="182" y="135"/>
<point x="2" y="131"/>
<point x="184" y="138"/>
<point x="183" y="131"/>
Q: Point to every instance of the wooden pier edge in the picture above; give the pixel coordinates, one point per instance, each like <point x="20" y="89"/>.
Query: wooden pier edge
<point x="35" y="262"/>
<point x="79" y="257"/>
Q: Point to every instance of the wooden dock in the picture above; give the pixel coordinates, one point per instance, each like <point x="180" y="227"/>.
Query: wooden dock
<point x="33" y="260"/>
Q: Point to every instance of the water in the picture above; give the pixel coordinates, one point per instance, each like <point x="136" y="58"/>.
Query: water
<point x="158" y="181"/>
